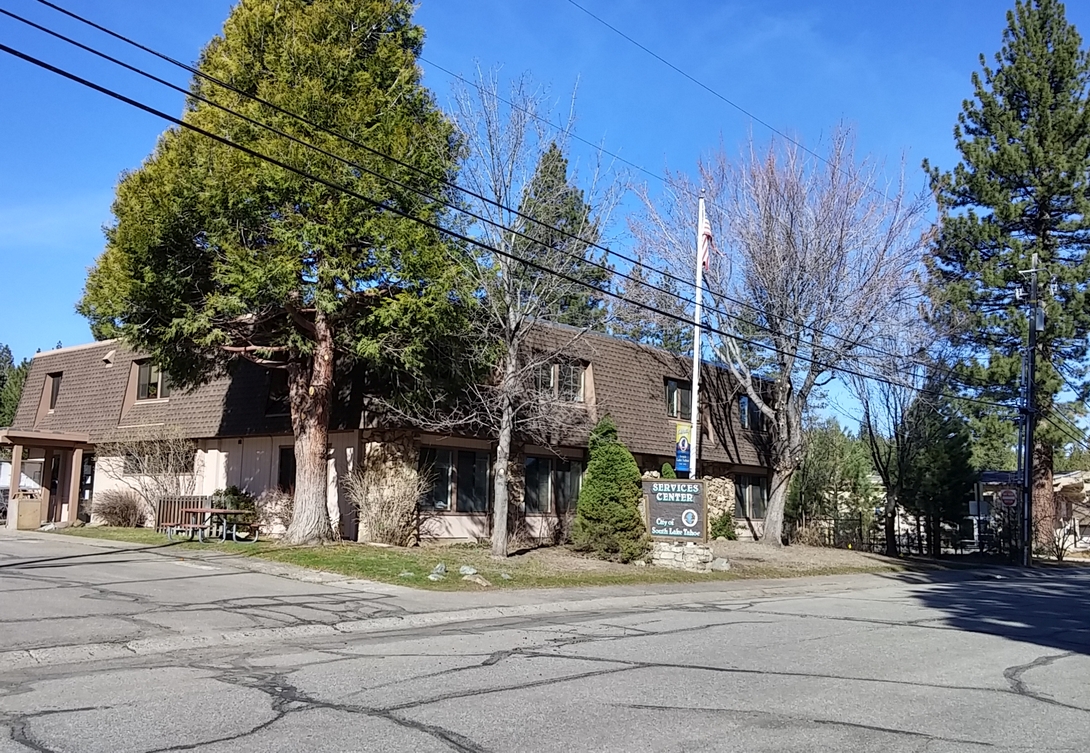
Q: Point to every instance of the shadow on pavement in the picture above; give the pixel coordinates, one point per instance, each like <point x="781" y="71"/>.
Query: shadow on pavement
<point x="1048" y="606"/>
<point x="19" y="563"/>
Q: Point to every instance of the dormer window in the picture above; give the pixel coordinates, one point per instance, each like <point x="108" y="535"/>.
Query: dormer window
<point x="54" y="389"/>
<point x="679" y="399"/>
<point x="151" y="382"/>
<point x="561" y="381"/>
<point x="278" y="402"/>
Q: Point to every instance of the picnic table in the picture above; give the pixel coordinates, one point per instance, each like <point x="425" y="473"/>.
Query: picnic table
<point x="217" y="521"/>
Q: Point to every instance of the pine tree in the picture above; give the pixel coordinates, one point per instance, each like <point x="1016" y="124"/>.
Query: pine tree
<point x="940" y="477"/>
<point x="563" y="222"/>
<point x="607" y="518"/>
<point x="1020" y="189"/>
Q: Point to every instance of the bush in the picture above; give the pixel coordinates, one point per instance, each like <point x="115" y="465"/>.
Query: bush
<point x="723" y="525"/>
<point x="119" y="507"/>
<point x="273" y="508"/>
<point x="668" y="471"/>
<point x="607" y="518"/>
<point x="233" y="498"/>
<point x="809" y="535"/>
<point x="387" y="502"/>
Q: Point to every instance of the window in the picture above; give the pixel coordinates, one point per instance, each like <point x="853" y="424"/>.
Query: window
<point x="750" y="496"/>
<point x="749" y="415"/>
<point x="543" y="378"/>
<point x="278" y="403"/>
<point x="571" y="382"/>
<point x="679" y="399"/>
<point x="552" y="484"/>
<point x="151" y="383"/>
<point x="285" y="469"/>
<point x="459" y="479"/>
<point x="472" y="481"/>
<point x="54" y="389"/>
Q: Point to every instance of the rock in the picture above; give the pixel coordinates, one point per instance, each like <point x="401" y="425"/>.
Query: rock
<point x="48" y="527"/>
<point x="436" y="576"/>
<point x="467" y="570"/>
<point x="77" y="523"/>
<point x="505" y="576"/>
<point x="720" y="565"/>
<point x="720" y="538"/>
<point x="406" y="574"/>
<point x="474" y="578"/>
<point x="440" y="570"/>
<point x="641" y="563"/>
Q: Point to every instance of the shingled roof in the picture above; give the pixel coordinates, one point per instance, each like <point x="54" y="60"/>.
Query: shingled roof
<point x="627" y="381"/>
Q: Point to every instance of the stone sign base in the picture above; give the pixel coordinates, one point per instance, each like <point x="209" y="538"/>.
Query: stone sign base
<point x="696" y="558"/>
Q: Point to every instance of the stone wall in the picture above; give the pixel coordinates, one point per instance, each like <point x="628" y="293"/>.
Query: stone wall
<point x="688" y="555"/>
<point x="382" y="451"/>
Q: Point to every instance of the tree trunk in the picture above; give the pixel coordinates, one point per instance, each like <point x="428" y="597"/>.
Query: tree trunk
<point x="891" y="524"/>
<point x="1045" y="515"/>
<point x="311" y="391"/>
<point x="500" y="488"/>
<point x="777" y="501"/>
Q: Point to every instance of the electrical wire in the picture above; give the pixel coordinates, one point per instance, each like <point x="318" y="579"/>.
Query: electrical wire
<point x="385" y="207"/>
<point x="688" y="283"/>
<point x="451" y="184"/>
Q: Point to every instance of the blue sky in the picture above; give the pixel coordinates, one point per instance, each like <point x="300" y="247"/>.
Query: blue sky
<point x="896" y="71"/>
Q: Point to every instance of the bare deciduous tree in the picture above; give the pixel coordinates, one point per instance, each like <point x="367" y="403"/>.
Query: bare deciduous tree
<point x="816" y="263"/>
<point x="520" y="169"/>
<point x="153" y="462"/>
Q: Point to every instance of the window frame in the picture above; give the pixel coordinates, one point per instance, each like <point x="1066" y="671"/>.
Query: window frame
<point x="579" y="370"/>
<point x="553" y="506"/>
<point x="453" y="480"/>
<point x="273" y="400"/>
<point x="674" y="403"/>
<point x="55" y="380"/>
<point x="161" y="382"/>
<point x="744" y="484"/>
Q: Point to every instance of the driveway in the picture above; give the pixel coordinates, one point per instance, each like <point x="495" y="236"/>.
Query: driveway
<point x="121" y="650"/>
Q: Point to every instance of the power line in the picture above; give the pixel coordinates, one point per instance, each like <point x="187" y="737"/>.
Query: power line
<point x="197" y="72"/>
<point x="699" y="83"/>
<point x="381" y="206"/>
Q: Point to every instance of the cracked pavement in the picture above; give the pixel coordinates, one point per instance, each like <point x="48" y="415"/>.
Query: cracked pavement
<point x="119" y="649"/>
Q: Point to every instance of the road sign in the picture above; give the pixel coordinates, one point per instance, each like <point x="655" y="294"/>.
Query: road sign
<point x="1009" y="497"/>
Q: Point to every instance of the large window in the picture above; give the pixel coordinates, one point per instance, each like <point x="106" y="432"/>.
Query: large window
<point x="679" y="399"/>
<point x="151" y="382"/>
<point x="459" y="479"/>
<point x="552" y="485"/>
<point x="750" y="496"/>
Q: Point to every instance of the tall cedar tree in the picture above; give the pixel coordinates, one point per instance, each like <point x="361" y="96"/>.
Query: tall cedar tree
<point x="1020" y="189"/>
<point x="216" y="255"/>
<point x="607" y="519"/>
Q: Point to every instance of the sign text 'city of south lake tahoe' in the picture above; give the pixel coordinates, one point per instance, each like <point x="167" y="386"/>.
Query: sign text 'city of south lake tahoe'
<point x="676" y="509"/>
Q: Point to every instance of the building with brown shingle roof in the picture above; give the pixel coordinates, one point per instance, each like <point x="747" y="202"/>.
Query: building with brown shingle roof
<point x="79" y="397"/>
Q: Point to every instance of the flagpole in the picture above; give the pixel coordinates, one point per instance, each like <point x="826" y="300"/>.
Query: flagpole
<point x="698" y="315"/>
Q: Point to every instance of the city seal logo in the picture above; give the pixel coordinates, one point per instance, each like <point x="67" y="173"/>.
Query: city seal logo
<point x="689" y="518"/>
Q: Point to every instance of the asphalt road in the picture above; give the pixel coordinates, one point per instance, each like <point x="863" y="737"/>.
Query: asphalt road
<point x="120" y="650"/>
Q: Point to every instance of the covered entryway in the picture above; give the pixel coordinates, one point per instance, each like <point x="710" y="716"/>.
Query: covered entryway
<point x="67" y="473"/>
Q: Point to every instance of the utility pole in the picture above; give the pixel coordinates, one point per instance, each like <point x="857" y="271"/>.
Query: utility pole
<point x="1029" y="413"/>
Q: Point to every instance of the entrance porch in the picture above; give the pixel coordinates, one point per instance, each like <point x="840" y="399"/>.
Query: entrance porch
<point x="66" y="478"/>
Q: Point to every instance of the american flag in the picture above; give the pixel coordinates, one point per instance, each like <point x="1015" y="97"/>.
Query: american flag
<point x="706" y="242"/>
